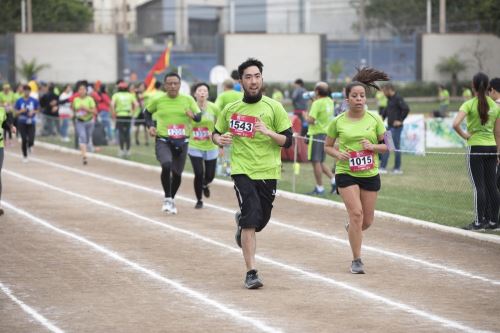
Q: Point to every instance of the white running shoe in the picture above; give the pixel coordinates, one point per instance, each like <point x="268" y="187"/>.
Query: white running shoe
<point x="25" y="160"/>
<point x="169" y="206"/>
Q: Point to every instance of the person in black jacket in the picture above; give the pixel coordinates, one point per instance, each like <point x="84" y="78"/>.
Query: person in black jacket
<point x="395" y="112"/>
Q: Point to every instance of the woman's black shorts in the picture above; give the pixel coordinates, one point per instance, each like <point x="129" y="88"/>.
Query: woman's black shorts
<point x="365" y="183"/>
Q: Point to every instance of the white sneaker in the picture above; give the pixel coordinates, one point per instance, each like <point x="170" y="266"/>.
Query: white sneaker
<point x="127" y="153"/>
<point x="169" y="206"/>
<point x="121" y="153"/>
<point x="382" y="171"/>
<point x="25" y="160"/>
<point x="397" y="171"/>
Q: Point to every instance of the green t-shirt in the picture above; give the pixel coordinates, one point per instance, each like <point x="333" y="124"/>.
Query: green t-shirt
<point x="7" y="101"/>
<point x="124" y="103"/>
<point x="201" y="138"/>
<point x="481" y="135"/>
<point x="228" y="97"/>
<point x="349" y="134"/>
<point x="277" y="96"/>
<point x="445" y="97"/>
<point x="3" y="117"/>
<point x="170" y="114"/>
<point x="381" y="99"/>
<point x="322" y="112"/>
<point x="258" y="157"/>
<point x="467" y="93"/>
<point x="86" y="102"/>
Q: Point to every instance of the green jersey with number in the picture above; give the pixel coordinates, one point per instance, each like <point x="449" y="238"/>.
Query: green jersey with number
<point x="258" y="157"/>
<point x="171" y="112"/>
<point x="481" y="135"/>
<point x="201" y="137"/>
<point x="322" y="112"/>
<point x="349" y="133"/>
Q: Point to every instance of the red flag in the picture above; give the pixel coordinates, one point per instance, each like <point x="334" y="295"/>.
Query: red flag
<point x="161" y="65"/>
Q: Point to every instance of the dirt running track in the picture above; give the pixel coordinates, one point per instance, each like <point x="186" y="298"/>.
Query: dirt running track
<point x="87" y="249"/>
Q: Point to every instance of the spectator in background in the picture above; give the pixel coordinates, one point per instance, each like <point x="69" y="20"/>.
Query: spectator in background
<point x="229" y="95"/>
<point x="65" y="112"/>
<point x="396" y="112"/>
<point x="466" y="93"/>
<point x="318" y="118"/>
<point x="236" y="78"/>
<point x="483" y="141"/>
<point x="381" y="102"/>
<point x="444" y="100"/>
<point x="103" y="102"/>
<point x="7" y="102"/>
<point x="123" y="106"/>
<point x="299" y="103"/>
<point x="26" y="108"/>
<point x="494" y="90"/>
<point x="49" y="102"/>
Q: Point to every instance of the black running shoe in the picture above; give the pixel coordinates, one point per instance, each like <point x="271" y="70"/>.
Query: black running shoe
<point x="199" y="205"/>
<point x="491" y="226"/>
<point x="252" y="280"/>
<point x="237" y="236"/>
<point x="206" y="191"/>
<point x="474" y="226"/>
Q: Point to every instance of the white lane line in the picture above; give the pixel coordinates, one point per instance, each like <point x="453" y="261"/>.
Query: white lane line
<point x="306" y="274"/>
<point x="239" y="316"/>
<point x="406" y="259"/>
<point x="29" y="310"/>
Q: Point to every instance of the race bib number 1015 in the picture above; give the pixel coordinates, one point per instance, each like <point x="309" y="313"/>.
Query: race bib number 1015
<point x="361" y="160"/>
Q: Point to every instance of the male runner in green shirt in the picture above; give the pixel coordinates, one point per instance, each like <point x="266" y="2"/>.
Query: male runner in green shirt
<point x="171" y="128"/>
<point x="256" y="127"/>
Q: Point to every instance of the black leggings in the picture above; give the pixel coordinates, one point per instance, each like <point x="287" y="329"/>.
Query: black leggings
<point x="202" y="177"/>
<point x="170" y="187"/>
<point x="482" y="172"/>
<point x="123" y="127"/>
<point x="27" y="137"/>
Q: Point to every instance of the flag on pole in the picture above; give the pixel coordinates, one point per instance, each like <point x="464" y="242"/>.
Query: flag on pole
<point x="160" y="66"/>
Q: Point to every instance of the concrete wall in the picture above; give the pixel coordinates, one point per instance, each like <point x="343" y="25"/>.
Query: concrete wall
<point x="71" y="57"/>
<point x="479" y="51"/>
<point x="285" y="57"/>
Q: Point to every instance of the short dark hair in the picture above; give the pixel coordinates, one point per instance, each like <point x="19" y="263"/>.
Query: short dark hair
<point x="26" y="87"/>
<point x="234" y="74"/>
<point x="249" y="63"/>
<point x="170" y="74"/>
<point x="157" y="84"/>
<point x="199" y="84"/>
<point x="300" y="82"/>
<point x="495" y="84"/>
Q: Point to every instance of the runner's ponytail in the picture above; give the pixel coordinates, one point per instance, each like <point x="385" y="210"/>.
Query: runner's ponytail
<point x="480" y="84"/>
<point x="367" y="77"/>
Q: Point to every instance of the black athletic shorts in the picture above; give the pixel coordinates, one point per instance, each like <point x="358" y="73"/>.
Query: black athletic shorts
<point x="255" y="198"/>
<point x="365" y="183"/>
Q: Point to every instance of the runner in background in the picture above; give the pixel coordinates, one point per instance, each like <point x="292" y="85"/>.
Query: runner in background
<point x="171" y="129"/>
<point x="7" y="102"/>
<point x="444" y="100"/>
<point x="257" y="127"/>
<point x="85" y="109"/>
<point x="318" y="118"/>
<point x="103" y="103"/>
<point x="229" y="95"/>
<point x="360" y="135"/>
<point x="139" y="115"/>
<point x="123" y="106"/>
<point x="25" y="109"/>
<point x="483" y="140"/>
<point x="202" y="151"/>
<point x="381" y="102"/>
<point x="6" y="121"/>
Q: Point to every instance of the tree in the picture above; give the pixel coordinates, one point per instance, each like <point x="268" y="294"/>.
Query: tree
<point x="409" y="16"/>
<point x="453" y="66"/>
<point x="336" y="68"/>
<point x="30" y="69"/>
<point x="48" y="16"/>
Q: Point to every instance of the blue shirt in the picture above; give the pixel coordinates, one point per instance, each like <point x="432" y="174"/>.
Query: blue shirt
<point x="30" y="104"/>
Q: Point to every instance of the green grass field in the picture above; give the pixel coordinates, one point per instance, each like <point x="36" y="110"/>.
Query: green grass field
<point x="433" y="187"/>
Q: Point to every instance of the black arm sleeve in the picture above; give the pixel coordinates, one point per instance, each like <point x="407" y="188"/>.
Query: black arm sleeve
<point x="289" y="135"/>
<point x="197" y="117"/>
<point x="148" y="118"/>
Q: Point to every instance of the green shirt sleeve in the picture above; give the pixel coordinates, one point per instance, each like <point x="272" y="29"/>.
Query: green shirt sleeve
<point x="380" y="126"/>
<point x="219" y="102"/>
<point x="152" y="106"/>
<point x="314" y="110"/>
<point x="282" y="121"/>
<point x="332" y="129"/>
<point x="193" y="106"/>
<point x="222" y="125"/>
<point x="465" y="107"/>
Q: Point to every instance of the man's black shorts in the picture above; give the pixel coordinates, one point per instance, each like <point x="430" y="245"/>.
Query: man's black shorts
<point x="255" y="198"/>
<point x="365" y="183"/>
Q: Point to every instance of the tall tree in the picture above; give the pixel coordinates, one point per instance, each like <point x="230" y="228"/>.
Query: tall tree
<point x="409" y="16"/>
<point x="48" y="16"/>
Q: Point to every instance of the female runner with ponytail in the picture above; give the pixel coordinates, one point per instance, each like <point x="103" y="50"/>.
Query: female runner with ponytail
<point x="360" y="135"/>
<point x="483" y="137"/>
